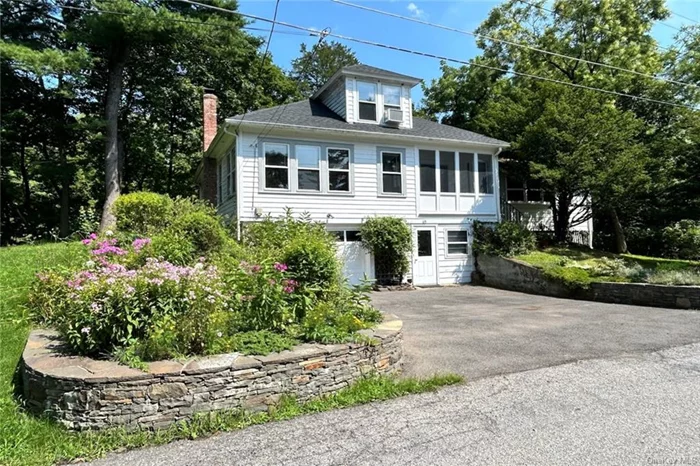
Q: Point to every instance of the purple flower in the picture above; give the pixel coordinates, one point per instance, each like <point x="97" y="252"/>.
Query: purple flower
<point x="93" y="236"/>
<point x="256" y="268"/>
<point x="289" y="289"/>
<point x="139" y="243"/>
<point x="87" y="241"/>
<point x="280" y="267"/>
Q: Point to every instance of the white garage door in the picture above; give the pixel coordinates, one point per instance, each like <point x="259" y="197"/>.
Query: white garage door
<point x="356" y="261"/>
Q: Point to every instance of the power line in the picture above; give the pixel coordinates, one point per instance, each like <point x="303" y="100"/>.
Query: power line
<point x="684" y="17"/>
<point x="173" y="20"/>
<point x="454" y="60"/>
<point x="515" y="44"/>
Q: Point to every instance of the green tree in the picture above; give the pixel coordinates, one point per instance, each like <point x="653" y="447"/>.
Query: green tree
<point x="315" y="66"/>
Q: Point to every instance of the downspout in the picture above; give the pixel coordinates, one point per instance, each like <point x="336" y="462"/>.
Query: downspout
<point x="497" y="180"/>
<point x="236" y="135"/>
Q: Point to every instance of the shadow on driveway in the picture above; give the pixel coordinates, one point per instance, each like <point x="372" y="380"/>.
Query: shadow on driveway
<point x="479" y="332"/>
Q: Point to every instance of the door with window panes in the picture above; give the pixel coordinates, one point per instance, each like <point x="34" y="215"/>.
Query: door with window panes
<point x="425" y="257"/>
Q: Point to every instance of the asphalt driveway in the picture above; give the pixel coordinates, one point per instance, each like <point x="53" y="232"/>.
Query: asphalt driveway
<point x="480" y="332"/>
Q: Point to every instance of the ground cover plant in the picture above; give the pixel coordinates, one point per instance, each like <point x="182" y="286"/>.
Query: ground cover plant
<point x="578" y="266"/>
<point x="172" y="282"/>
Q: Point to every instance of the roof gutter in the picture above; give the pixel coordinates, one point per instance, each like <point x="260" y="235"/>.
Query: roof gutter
<point x="352" y="132"/>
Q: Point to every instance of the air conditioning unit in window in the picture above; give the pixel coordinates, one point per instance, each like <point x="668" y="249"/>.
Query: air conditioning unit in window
<point x="393" y="117"/>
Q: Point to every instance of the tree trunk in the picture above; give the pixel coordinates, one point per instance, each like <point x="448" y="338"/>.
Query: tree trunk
<point x="620" y="241"/>
<point x="112" y="98"/>
<point x="171" y="155"/>
<point x="25" y="179"/>
<point x="64" y="224"/>
<point x="561" y="218"/>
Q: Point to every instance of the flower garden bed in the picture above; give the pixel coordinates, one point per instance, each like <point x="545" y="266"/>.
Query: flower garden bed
<point x="84" y="393"/>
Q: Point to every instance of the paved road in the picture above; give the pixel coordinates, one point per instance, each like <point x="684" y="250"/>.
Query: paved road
<point x="481" y="332"/>
<point x="634" y="409"/>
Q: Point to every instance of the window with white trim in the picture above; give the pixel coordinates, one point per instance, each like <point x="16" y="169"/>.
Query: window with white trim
<point x="367" y="100"/>
<point x="391" y="172"/>
<point x="338" y="169"/>
<point x="276" y="163"/>
<point x="466" y="172"/>
<point x="485" y="174"/>
<point x="308" y="167"/>
<point x="457" y="242"/>
<point x="392" y="96"/>
<point x="228" y="175"/>
<point x="448" y="182"/>
<point x="219" y="183"/>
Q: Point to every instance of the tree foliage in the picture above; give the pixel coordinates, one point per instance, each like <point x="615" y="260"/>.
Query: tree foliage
<point x="56" y="68"/>
<point x="629" y="157"/>
<point x="317" y="64"/>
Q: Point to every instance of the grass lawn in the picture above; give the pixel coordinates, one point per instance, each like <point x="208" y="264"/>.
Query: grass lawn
<point x="582" y="266"/>
<point x="28" y="440"/>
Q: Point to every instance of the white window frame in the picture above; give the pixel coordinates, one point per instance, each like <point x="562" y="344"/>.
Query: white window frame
<point x="344" y="170"/>
<point x="399" y="88"/>
<point x="447" y="243"/>
<point x="380" y="170"/>
<point x="477" y="187"/>
<point x="375" y="102"/>
<point x="319" y="169"/>
<point x="219" y="183"/>
<point x="288" y="167"/>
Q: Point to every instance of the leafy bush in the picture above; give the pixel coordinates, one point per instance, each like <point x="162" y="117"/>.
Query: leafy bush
<point x="675" y="277"/>
<point x="205" y="232"/>
<point x="506" y="239"/>
<point x="258" y="342"/>
<point x="305" y="247"/>
<point x="389" y="241"/>
<point x="682" y="240"/>
<point x="312" y="263"/>
<point x="143" y="212"/>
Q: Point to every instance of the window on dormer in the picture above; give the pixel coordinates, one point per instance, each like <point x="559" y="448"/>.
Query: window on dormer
<point x="367" y="93"/>
<point x="392" y="96"/>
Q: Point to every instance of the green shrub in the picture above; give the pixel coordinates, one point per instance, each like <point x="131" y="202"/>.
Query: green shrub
<point x="312" y="262"/>
<point x="682" y="240"/>
<point x="143" y="212"/>
<point x="389" y="241"/>
<point x="172" y="247"/>
<point x="306" y="247"/>
<point x="259" y="342"/>
<point x="571" y="277"/>
<point x="505" y="239"/>
<point x="204" y="231"/>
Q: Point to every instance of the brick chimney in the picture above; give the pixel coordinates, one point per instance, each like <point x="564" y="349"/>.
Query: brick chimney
<point x="207" y="188"/>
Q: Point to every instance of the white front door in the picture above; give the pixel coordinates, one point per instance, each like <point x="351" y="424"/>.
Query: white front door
<point x="424" y="259"/>
<point x="357" y="263"/>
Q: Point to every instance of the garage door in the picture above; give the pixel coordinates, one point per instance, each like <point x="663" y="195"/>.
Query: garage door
<point x="356" y="261"/>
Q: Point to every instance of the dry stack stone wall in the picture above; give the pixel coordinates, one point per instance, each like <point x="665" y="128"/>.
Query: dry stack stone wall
<point x="84" y="393"/>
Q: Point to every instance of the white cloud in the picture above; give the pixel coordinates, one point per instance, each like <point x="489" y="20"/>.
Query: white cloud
<point x="415" y="11"/>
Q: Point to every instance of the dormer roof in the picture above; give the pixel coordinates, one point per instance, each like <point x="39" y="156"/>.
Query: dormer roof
<point x="365" y="71"/>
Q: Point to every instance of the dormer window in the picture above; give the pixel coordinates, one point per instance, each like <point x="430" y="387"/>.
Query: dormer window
<point x="367" y="93"/>
<point x="392" y="96"/>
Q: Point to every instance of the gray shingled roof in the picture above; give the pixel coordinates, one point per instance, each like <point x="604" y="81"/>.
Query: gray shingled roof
<point x="379" y="72"/>
<point x="312" y="113"/>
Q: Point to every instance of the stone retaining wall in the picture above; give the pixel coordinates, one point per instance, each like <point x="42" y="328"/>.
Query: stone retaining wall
<point x="84" y="393"/>
<point x="511" y="274"/>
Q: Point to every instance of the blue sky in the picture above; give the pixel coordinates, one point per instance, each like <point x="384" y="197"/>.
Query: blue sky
<point x="462" y="14"/>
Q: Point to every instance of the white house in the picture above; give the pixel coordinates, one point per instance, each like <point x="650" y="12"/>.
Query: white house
<point x="353" y="151"/>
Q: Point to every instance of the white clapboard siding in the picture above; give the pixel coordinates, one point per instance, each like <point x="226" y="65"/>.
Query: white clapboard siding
<point x="343" y="209"/>
<point x="334" y="98"/>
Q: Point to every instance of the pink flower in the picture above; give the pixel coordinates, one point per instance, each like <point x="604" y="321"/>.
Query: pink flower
<point x="289" y="289"/>
<point x="92" y="236"/>
<point x="280" y="267"/>
<point x="86" y="241"/>
<point x="139" y="243"/>
<point x="272" y="282"/>
<point x="256" y="268"/>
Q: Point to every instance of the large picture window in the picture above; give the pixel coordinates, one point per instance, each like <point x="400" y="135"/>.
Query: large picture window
<point x="427" y="171"/>
<point x="338" y="169"/>
<point x="392" y="176"/>
<point x="367" y="98"/>
<point x="276" y="166"/>
<point x="308" y="167"/>
<point x="485" y="174"/>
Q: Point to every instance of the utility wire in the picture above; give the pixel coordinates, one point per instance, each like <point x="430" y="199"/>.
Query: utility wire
<point x="514" y="44"/>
